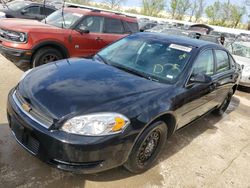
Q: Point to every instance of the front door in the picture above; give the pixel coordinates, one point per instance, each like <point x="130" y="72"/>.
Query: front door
<point x="198" y="98"/>
<point x="87" y="44"/>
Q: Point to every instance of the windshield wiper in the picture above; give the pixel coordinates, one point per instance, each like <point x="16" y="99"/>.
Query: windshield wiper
<point x="135" y="72"/>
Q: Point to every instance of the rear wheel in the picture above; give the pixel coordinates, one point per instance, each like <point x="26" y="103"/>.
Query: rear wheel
<point x="147" y="148"/>
<point x="223" y="107"/>
<point x="46" y="55"/>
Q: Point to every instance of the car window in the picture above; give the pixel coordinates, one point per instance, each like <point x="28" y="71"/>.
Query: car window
<point x="46" y="11"/>
<point x="33" y="10"/>
<point x="223" y="63"/>
<point x="113" y="26"/>
<point x="204" y="64"/>
<point x="92" y="23"/>
<point x="131" y="27"/>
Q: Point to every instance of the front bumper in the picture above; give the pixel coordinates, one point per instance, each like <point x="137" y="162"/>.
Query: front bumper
<point x="21" y="58"/>
<point x="67" y="151"/>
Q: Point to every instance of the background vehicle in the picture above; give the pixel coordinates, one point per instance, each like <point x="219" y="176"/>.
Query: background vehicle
<point x="74" y="33"/>
<point x="26" y="10"/>
<point x="120" y="107"/>
<point x="241" y="53"/>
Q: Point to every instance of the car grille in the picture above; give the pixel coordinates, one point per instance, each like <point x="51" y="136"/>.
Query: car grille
<point x="34" y="114"/>
<point x="24" y="137"/>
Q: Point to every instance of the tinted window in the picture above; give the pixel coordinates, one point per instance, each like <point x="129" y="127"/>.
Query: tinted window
<point x="93" y="24"/>
<point x="46" y="11"/>
<point x="131" y="27"/>
<point x="33" y="10"/>
<point x="113" y="26"/>
<point x="223" y="63"/>
<point x="204" y="64"/>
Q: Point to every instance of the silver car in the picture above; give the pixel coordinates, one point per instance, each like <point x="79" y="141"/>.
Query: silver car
<point x="241" y="53"/>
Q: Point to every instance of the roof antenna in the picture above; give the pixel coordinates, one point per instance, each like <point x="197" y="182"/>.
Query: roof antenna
<point x="44" y="2"/>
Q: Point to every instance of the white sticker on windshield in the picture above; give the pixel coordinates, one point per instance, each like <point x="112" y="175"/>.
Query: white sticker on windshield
<point x="78" y="15"/>
<point x="170" y="76"/>
<point x="180" y="47"/>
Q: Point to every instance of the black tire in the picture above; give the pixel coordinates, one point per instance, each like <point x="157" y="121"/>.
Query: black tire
<point x="147" y="148"/>
<point x="223" y="107"/>
<point x="46" y="55"/>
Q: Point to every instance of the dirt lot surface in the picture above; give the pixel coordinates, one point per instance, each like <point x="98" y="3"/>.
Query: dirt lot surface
<point x="214" y="152"/>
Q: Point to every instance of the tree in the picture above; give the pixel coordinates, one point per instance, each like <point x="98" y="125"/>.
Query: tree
<point x="225" y="14"/>
<point x="179" y="8"/>
<point x="193" y="8"/>
<point x="182" y="7"/>
<point x="113" y="4"/>
<point x="152" y="7"/>
<point x="213" y="12"/>
<point x="237" y="13"/>
<point x="200" y="9"/>
<point x="173" y="7"/>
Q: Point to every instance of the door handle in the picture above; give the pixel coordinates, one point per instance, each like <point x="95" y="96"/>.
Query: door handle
<point x="98" y="39"/>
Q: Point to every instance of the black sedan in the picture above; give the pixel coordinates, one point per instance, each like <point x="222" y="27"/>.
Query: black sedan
<point x="120" y="107"/>
<point x="25" y="10"/>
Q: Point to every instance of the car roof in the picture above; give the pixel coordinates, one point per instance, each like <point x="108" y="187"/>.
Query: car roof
<point x="84" y="11"/>
<point x="180" y="40"/>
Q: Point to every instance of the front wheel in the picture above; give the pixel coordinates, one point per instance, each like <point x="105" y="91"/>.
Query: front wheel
<point x="147" y="148"/>
<point x="223" y="107"/>
<point x="46" y="55"/>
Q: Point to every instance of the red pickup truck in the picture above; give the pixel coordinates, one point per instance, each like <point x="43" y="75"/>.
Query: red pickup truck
<point x="73" y="32"/>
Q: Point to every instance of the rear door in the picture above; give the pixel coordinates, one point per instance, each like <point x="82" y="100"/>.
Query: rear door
<point x="113" y="30"/>
<point x="225" y="76"/>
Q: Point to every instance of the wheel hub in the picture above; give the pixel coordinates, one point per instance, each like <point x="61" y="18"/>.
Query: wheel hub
<point x="148" y="147"/>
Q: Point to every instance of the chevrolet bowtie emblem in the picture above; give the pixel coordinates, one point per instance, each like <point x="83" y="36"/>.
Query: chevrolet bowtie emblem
<point x="26" y="107"/>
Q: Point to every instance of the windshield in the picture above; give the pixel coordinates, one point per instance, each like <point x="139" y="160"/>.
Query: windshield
<point x="239" y="49"/>
<point x="64" y="20"/>
<point x="16" y="5"/>
<point x="150" y="58"/>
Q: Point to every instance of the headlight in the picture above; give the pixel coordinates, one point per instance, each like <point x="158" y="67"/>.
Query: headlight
<point x="97" y="124"/>
<point x="25" y="74"/>
<point x="2" y="15"/>
<point x="15" y="36"/>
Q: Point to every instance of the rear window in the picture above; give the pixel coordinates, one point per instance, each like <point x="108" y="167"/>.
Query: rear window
<point x="113" y="26"/>
<point x="223" y="62"/>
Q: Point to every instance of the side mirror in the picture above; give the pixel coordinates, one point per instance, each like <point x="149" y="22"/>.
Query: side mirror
<point x="24" y="11"/>
<point x="200" y="78"/>
<point x="82" y="30"/>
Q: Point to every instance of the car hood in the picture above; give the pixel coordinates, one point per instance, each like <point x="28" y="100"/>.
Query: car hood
<point x="24" y="25"/>
<point x="79" y="86"/>
<point x="242" y="60"/>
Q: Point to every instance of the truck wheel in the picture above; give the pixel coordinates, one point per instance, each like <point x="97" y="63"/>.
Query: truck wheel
<point x="147" y="148"/>
<point x="46" y="55"/>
